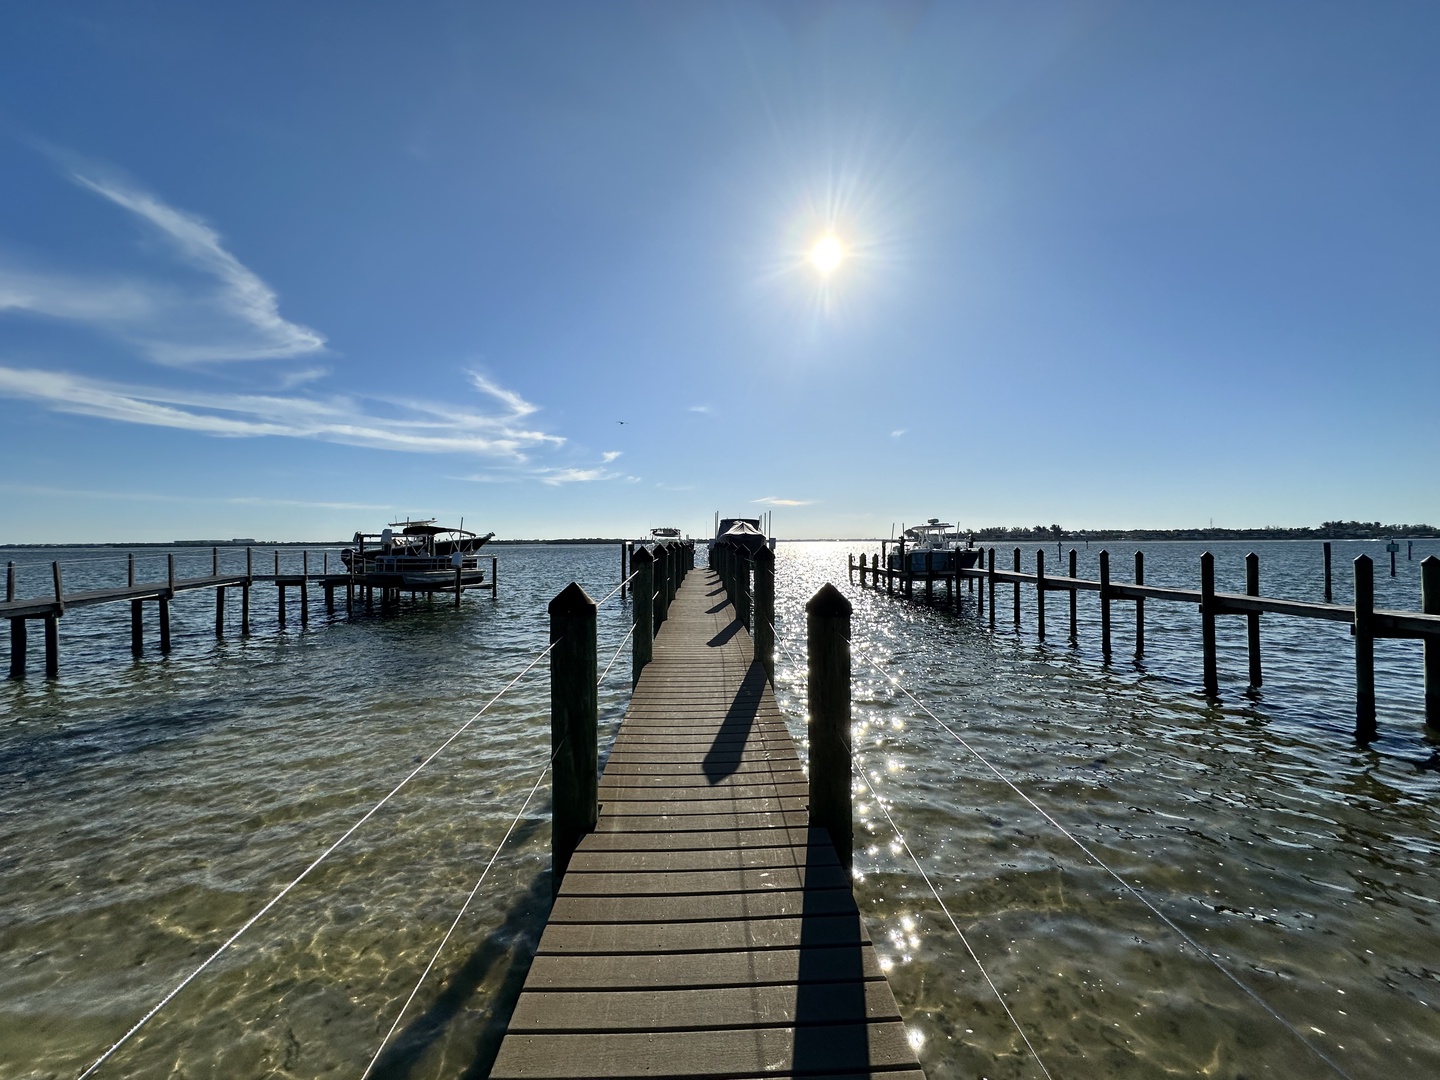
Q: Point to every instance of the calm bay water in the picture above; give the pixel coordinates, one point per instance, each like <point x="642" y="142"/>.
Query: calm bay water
<point x="151" y="807"/>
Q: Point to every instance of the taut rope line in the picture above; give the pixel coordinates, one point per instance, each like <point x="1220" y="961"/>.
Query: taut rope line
<point x="305" y="873"/>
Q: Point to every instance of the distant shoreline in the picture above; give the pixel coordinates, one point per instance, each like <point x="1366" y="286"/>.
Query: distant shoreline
<point x="1348" y="530"/>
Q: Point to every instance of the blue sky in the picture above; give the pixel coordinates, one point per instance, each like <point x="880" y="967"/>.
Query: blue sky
<point x="284" y="271"/>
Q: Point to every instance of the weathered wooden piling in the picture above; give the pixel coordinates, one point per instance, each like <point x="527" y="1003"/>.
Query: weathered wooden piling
<point x="574" y="718"/>
<point x="1017" y="591"/>
<point x="19" y="643"/>
<point x="219" y="611"/>
<point x="1074" y="597"/>
<point x="1040" y="592"/>
<point x="1327" y="572"/>
<point x="1139" y="606"/>
<point x="764" y="632"/>
<point x="1105" y="604"/>
<point x="827" y="638"/>
<point x="624" y="569"/>
<point x="991" y="583"/>
<point x="137" y="628"/>
<point x="1430" y="605"/>
<point x="245" y="594"/>
<point x="164" y="607"/>
<point x="741" y="596"/>
<point x="1364" y="649"/>
<point x="305" y="588"/>
<point x="52" y="646"/>
<point x="1252" y="619"/>
<point x="1207" y="625"/>
<point x="642" y="641"/>
<point x="980" y="593"/>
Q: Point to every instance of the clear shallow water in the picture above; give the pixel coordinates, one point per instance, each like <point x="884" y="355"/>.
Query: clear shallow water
<point x="151" y="807"/>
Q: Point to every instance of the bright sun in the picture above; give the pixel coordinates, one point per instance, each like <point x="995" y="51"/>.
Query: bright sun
<point x="826" y="254"/>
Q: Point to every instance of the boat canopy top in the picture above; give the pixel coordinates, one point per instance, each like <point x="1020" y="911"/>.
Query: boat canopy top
<point x="428" y="528"/>
<point x="935" y="525"/>
<point x="668" y="532"/>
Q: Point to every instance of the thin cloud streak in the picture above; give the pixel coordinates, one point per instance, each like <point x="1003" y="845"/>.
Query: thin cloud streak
<point x="373" y="422"/>
<point x="771" y="500"/>
<point x="234" y="315"/>
<point x="150" y="496"/>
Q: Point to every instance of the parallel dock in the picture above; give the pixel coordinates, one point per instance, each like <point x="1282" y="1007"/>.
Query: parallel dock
<point x="704" y="928"/>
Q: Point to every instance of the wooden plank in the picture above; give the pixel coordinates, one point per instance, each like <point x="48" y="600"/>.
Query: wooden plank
<point x="759" y="879"/>
<point x="699" y="822"/>
<point x="632" y="939"/>
<point x="673" y="971"/>
<point x="683" y="1010"/>
<point x="727" y="1053"/>
<point x="667" y="859"/>
<point x="702" y="840"/>
<point x="727" y="792"/>
<point x="794" y="902"/>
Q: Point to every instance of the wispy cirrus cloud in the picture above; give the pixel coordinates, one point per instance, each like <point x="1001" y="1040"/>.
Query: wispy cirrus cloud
<point x="898" y="432"/>
<point x="771" y="500"/>
<point x="161" y="497"/>
<point x="223" y="311"/>
<point x="700" y="409"/>
<point x="354" y="420"/>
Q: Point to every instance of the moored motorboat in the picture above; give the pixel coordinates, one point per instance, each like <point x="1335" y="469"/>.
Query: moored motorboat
<point x="932" y="548"/>
<point x="417" y="555"/>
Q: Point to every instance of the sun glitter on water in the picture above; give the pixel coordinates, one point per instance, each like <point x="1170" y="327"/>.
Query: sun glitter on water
<point x="826" y="254"/>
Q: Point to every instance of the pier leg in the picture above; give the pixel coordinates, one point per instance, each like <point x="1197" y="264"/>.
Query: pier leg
<point x="329" y="598"/>
<point x="1327" y="572"/>
<point x="1139" y="606"/>
<point x="642" y="642"/>
<point x="494" y="576"/>
<point x="460" y="584"/>
<point x="164" y="603"/>
<point x="624" y="570"/>
<point x="19" y="635"/>
<point x="350" y="596"/>
<point x="1207" y="624"/>
<point x="1074" y="597"/>
<point x="1364" y="649"/>
<point x="137" y="628"/>
<point x="574" y="717"/>
<point x="304" y="601"/>
<point x="765" y="610"/>
<point x="1430" y="605"/>
<point x="1252" y="618"/>
<point x="370" y="599"/>
<point x="1040" y="592"/>
<point x="1105" y="605"/>
<point x="979" y="596"/>
<point x="827" y="634"/>
<point x="52" y="647"/>
<point x="245" y="610"/>
<point x="219" y="611"/>
<point x="992" y="588"/>
<point x="280" y="602"/>
<point x="1017" y="592"/>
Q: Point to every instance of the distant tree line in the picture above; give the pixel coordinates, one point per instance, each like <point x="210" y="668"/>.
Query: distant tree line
<point x="1329" y="530"/>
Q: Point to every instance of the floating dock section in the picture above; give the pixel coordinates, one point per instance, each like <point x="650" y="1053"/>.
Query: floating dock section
<point x="704" y="929"/>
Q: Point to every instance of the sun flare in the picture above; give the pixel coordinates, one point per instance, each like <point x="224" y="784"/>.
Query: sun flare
<point x="826" y="254"/>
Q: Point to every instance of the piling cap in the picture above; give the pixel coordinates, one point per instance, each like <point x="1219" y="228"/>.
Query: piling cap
<point x="573" y="600"/>
<point x="641" y="554"/>
<point x="765" y="553"/>
<point x="829" y="602"/>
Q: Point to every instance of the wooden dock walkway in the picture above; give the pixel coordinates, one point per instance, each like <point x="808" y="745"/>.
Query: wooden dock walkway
<point x="704" y="929"/>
